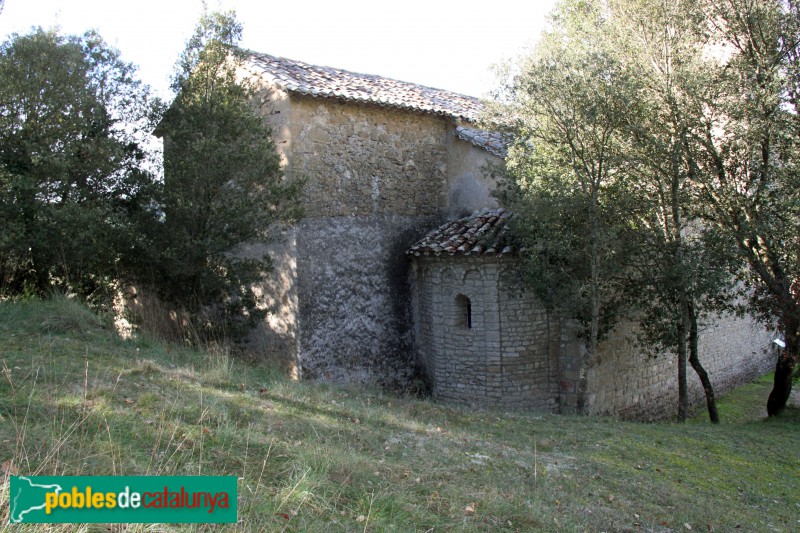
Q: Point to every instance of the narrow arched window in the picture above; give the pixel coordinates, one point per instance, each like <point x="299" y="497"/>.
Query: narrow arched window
<point x="463" y="311"/>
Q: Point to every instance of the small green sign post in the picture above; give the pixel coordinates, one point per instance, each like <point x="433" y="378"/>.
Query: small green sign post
<point x="122" y="499"/>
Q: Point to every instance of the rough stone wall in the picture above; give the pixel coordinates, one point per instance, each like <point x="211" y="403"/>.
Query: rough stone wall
<point x="377" y="179"/>
<point x="366" y="160"/>
<point x="514" y="356"/>
<point x="375" y="182"/>
<point x="529" y="350"/>
<point x="570" y="354"/>
<point x="354" y="311"/>
<point x="506" y="357"/>
<point x="276" y="339"/>
<point x="625" y="382"/>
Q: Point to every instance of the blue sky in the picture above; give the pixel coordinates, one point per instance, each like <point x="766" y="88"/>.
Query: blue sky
<point x="441" y="43"/>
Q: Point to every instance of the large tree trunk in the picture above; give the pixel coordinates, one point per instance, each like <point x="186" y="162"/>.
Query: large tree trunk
<point x="586" y="362"/>
<point x="683" y="297"/>
<point x="694" y="360"/>
<point x="683" y="389"/>
<point x="583" y="379"/>
<point x="784" y="369"/>
<point x="782" y="386"/>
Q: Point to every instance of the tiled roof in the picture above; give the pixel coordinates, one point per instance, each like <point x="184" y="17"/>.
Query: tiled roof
<point x="482" y="233"/>
<point x="312" y="80"/>
<point x="493" y="142"/>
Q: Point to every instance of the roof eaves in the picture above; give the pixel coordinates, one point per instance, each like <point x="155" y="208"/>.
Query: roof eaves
<point x="493" y="142"/>
<point x="482" y="233"/>
<point x="315" y="81"/>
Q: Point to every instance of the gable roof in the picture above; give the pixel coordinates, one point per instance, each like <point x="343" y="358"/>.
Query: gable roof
<point x="303" y="78"/>
<point x="481" y="233"/>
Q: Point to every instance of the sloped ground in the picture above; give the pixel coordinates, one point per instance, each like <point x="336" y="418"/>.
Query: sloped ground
<point x="76" y="399"/>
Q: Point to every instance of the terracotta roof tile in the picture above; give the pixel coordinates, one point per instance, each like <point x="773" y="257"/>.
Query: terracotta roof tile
<point x="482" y="233"/>
<point x="299" y="77"/>
<point x="493" y="142"/>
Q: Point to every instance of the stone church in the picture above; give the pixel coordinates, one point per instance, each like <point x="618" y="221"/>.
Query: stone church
<point x="398" y="269"/>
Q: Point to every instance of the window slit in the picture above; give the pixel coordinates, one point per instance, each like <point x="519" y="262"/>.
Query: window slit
<point x="463" y="311"/>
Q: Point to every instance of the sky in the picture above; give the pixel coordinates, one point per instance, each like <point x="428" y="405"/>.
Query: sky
<point x="447" y="44"/>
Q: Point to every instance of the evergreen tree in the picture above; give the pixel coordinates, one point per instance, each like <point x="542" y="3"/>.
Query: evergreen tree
<point x="567" y="109"/>
<point x="747" y="152"/>
<point x="73" y="126"/>
<point x="224" y="188"/>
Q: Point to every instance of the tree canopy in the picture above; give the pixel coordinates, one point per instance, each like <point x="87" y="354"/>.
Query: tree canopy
<point x="82" y="206"/>
<point x="676" y="123"/>
<point x="73" y="127"/>
<point x="224" y="188"/>
<point x="568" y="112"/>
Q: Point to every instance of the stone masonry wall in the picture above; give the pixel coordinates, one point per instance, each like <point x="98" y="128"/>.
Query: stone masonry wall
<point x="366" y="160"/>
<point x="529" y="350"/>
<point x="354" y="299"/>
<point x="514" y="356"/>
<point x="505" y="357"/>
<point x="377" y="179"/>
<point x="275" y="339"/>
<point x="624" y="382"/>
<point x="375" y="182"/>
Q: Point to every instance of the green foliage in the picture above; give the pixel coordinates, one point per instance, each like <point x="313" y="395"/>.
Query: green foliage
<point x="567" y="108"/>
<point x="680" y="121"/>
<point x="224" y="188"/>
<point x="679" y="263"/>
<point x="751" y="177"/>
<point x="748" y="160"/>
<point x="554" y="230"/>
<point x="72" y="120"/>
<point x="708" y="278"/>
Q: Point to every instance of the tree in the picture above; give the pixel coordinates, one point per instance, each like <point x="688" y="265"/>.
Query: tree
<point x="566" y="109"/>
<point x="674" y="284"/>
<point x="224" y="188"/>
<point x="657" y="292"/>
<point x="645" y="91"/>
<point x="747" y="152"/>
<point x="721" y="76"/>
<point x="72" y="124"/>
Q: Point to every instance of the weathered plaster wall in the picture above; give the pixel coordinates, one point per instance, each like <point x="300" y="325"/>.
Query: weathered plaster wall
<point x="275" y="105"/>
<point x="506" y="357"/>
<point x="470" y="180"/>
<point x="624" y="382"/>
<point x="275" y="339"/>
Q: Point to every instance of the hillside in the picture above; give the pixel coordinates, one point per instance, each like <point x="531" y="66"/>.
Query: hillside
<point x="77" y="400"/>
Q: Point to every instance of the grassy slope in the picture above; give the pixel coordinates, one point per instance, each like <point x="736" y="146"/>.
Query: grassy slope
<point x="75" y="399"/>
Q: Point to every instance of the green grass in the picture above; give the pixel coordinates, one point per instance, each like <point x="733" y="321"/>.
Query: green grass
<point x="77" y="400"/>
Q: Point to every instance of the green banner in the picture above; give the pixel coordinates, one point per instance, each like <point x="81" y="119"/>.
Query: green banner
<point x="122" y="499"/>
